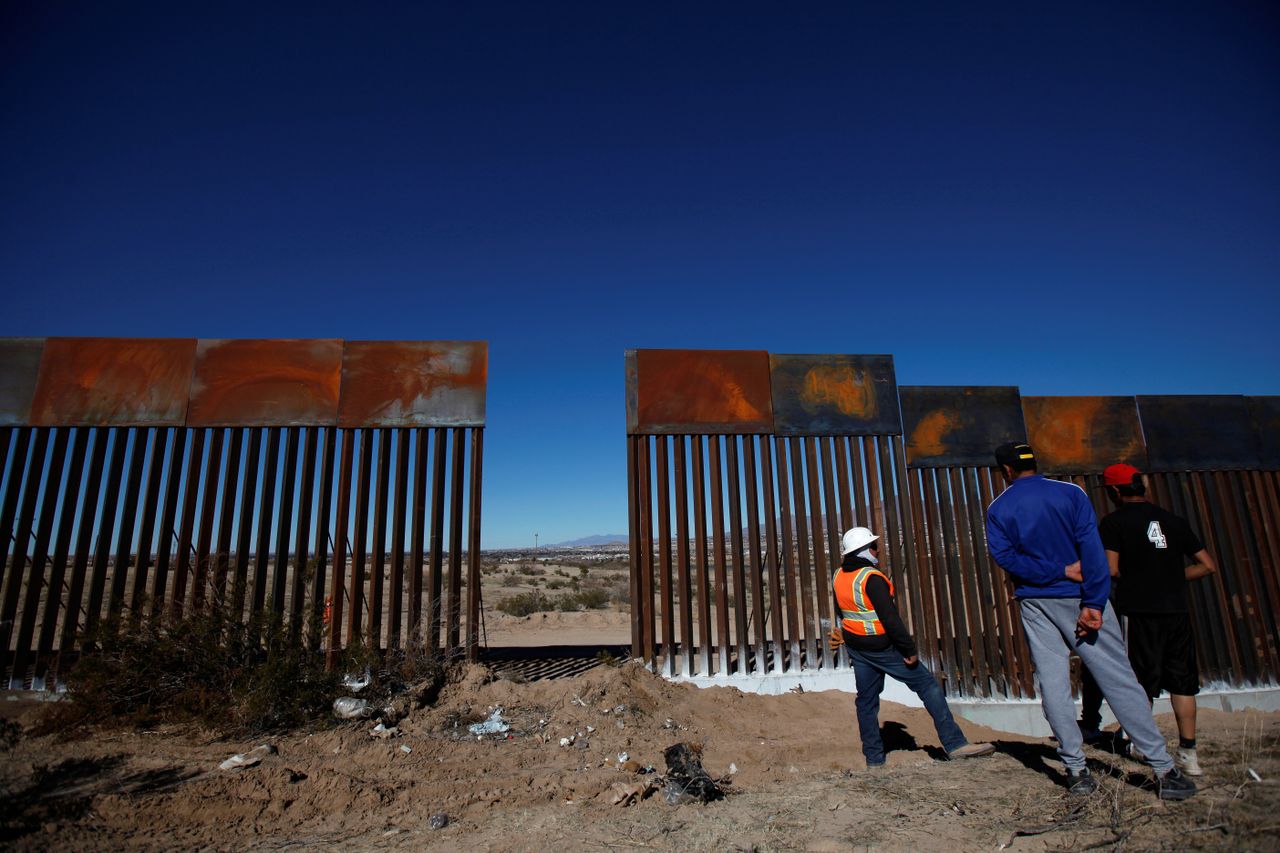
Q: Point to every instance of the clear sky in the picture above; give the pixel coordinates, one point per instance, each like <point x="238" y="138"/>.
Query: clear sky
<point x="1077" y="200"/>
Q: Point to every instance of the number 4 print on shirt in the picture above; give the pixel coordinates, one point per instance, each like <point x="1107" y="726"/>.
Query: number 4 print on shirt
<point x="1156" y="535"/>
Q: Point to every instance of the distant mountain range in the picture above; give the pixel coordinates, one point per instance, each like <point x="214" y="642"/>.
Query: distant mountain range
<point x="597" y="539"/>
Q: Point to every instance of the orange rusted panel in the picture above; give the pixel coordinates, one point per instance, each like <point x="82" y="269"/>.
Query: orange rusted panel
<point x="19" y="368"/>
<point x="1083" y="435"/>
<point x="834" y="395"/>
<point x="413" y="383"/>
<point x="113" y="382"/>
<point x="958" y="426"/>
<point x="266" y="383"/>
<point x="701" y="391"/>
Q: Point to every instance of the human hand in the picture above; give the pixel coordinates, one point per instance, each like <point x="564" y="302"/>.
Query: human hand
<point x="911" y="661"/>
<point x="1074" y="572"/>
<point x="835" y="639"/>
<point x="1090" y="621"/>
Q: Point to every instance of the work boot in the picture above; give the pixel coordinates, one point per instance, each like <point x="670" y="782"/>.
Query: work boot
<point x="1188" y="763"/>
<point x="1081" y="782"/>
<point x="1174" y="785"/>
<point x="971" y="750"/>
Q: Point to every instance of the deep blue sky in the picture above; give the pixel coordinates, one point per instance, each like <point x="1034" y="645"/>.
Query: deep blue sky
<point x="1078" y="200"/>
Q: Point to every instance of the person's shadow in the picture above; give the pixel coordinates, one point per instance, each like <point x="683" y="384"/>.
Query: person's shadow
<point x="1033" y="756"/>
<point x="896" y="736"/>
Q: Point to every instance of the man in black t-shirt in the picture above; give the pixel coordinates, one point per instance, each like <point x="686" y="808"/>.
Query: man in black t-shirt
<point x="1148" y="548"/>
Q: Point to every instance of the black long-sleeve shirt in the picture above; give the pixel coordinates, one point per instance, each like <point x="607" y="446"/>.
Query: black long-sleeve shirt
<point x="896" y="633"/>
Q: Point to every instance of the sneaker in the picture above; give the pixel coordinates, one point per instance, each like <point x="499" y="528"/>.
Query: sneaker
<point x="1081" y="782"/>
<point x="1175" y="785"/>
<point x="1188" y="763"/>
<point x="971" y="750"/>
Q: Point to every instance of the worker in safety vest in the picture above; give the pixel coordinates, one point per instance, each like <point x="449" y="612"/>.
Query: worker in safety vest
<point x="879" y="644"/>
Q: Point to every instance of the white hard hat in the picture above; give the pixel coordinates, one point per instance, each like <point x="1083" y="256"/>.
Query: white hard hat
<point x="855" y="539"/>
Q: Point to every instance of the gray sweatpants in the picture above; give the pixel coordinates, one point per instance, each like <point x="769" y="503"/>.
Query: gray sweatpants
<point x="1050" y="624"/>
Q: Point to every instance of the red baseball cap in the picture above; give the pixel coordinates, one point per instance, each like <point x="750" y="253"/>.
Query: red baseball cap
<point x="1120" y="474"/>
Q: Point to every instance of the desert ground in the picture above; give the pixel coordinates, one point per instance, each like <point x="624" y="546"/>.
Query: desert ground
<point x="581" y="768"/>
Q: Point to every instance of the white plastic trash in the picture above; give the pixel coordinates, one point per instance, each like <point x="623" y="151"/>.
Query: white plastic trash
<point x="495" y="725"/>
<point x="350" y="708"/>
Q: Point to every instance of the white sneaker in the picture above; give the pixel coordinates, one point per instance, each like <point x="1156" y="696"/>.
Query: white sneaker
<point x="1188" y="763"/>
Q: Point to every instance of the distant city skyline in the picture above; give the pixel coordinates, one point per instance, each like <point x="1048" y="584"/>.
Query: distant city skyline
<point x="1075" y="200"/>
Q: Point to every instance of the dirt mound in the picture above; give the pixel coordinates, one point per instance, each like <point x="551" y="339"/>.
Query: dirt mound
<point x="790" y="764"/>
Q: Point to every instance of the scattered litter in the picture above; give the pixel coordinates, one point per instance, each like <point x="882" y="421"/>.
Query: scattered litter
<point x="577" y="701"/>
<point x="1254" y="774"/>
<point x="733" y="768"/>
<point x="350" y="708"/>
<point x="356" y="683"/>
<point x="565" y="741"/>
<point x="622" y="756"/>
<point x="581" y="744"/>
<point x="590" y="729"/>
<point x="406" y="749"/>
<point x="620" y="709"/>
<point x="248" y="759"/>
<point x="492" y="726"/>
<point x="669" y="723"/>
<point x="439" y="821"/>
<point x="686" y="781"/>
<point x="384" y="732"/>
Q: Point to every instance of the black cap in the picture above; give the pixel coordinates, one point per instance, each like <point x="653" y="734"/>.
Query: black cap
<point x="1019" y="457"/>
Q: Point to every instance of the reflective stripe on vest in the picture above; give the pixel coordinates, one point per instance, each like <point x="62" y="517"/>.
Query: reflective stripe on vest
<point x="858" y="614"/>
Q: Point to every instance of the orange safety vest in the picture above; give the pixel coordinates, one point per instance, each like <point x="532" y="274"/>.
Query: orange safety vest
<point x="858" y="614"/>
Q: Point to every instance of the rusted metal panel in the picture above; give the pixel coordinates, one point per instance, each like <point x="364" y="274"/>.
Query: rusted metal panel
<point x="1199" y="432"/>
<point x="266" y="383"/>
<point x="834" y="395"/>
<point x="957" y="426"/>
<point x="1082" y="435"/>
<point x="1266" y="420"/>
<point x="19" y="369"/>
<point x="113" y="382"/>
<point x="700" y="391"/>
<point x="414" y="383"/>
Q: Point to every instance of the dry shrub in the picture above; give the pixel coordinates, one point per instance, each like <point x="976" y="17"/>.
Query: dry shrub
<point x="526" y="603"/>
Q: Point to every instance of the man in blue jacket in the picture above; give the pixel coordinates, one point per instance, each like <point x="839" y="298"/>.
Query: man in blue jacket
<point x="1044" y="534"/>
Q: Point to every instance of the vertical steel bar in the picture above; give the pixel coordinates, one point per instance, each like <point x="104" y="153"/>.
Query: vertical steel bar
<point x="284" y="526"/>
<point x="244" y="528"/>
<point x="34" y="473"/>
<point x="124" y="532"/>
<point x="989" y="585"/>
<point x="723" y="643"/>
<point x="812" y="638"/>
<point x="395" y="611"/>
<point x="324" y="525"/>
<point x="302" y="536"/>
<point x="457" y="474"/>
<point x="683" y="594"/>
<point x="1263" y="627"/>
<point x="359" y="543"/>
<point x="700" y="546"/>
<point x="842" y="482"/>
<point x="168" y="517"/>
<point x="107" y="521"/>
<point x="962" y="606"/>
<point x="209" y="502"/>
<point x="908" y="561"/>
<point x="974" y="595"/>
<point x="759" y="613"/>
<point x="87" y="516"/>
<point x="771" y="550"/>
<point x="227" y="516"/>
<point x="927" y="634"/>
<point x="341" y="524"/>
<point x="418" y="535"/>
<point x="9" y="507"/>
<point x="473" y="546"/>
<point x="434" y="611"/>
<point x="187" y="522"/>
<point x="831" y="515"/>
<point x="740" y="603"/>
<point x="937" y="540"/>
<point x="822" y="581"/>
<point x="150" y="504"/>
<point x="665" y="598"/>
<point x="633" y="541"/>
<point x="794" y="631"/>
<point x="642" y="604"/>
<point x="266" y="514"/>
<point x="1177" y="493"/>
<point x="1244" y="624"/>
<point x="377" y="569"/>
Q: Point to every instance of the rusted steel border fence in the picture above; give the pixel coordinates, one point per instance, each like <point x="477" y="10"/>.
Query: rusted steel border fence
<point x="334" y="484"/>
<point x="745" y="467"/>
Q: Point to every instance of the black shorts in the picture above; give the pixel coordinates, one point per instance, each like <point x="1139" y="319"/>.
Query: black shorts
<point x="1163" y="653"/>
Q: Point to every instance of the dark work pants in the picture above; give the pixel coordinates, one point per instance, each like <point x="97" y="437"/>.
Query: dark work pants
<point x="869" y="670"/>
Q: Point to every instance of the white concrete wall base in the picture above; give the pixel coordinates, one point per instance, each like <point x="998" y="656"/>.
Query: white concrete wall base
<point x="1018" y="716"/>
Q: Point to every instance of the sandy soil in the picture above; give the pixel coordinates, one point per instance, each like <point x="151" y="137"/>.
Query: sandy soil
<point x="610" y="627"/>
<point x="796" y="781"/>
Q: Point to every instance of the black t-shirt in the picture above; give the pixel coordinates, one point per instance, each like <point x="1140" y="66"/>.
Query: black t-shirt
<point x="1153" y="545"/>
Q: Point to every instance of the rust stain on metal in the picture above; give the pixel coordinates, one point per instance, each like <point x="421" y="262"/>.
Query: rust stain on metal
<point x="113" y="382"/>
<point x="266" y="383"/>
<point x="414" y="383"/>
<point x="834" y="395"/>
<point x="1083" y="435"/>
<point x="19" y="369"/>
<point x="929" y="438"/>
<point x="709" y="391"/>
<point x="959" y="426"/>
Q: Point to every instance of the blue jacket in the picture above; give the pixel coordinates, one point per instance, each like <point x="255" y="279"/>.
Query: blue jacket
<point x="1038" y="527"/>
